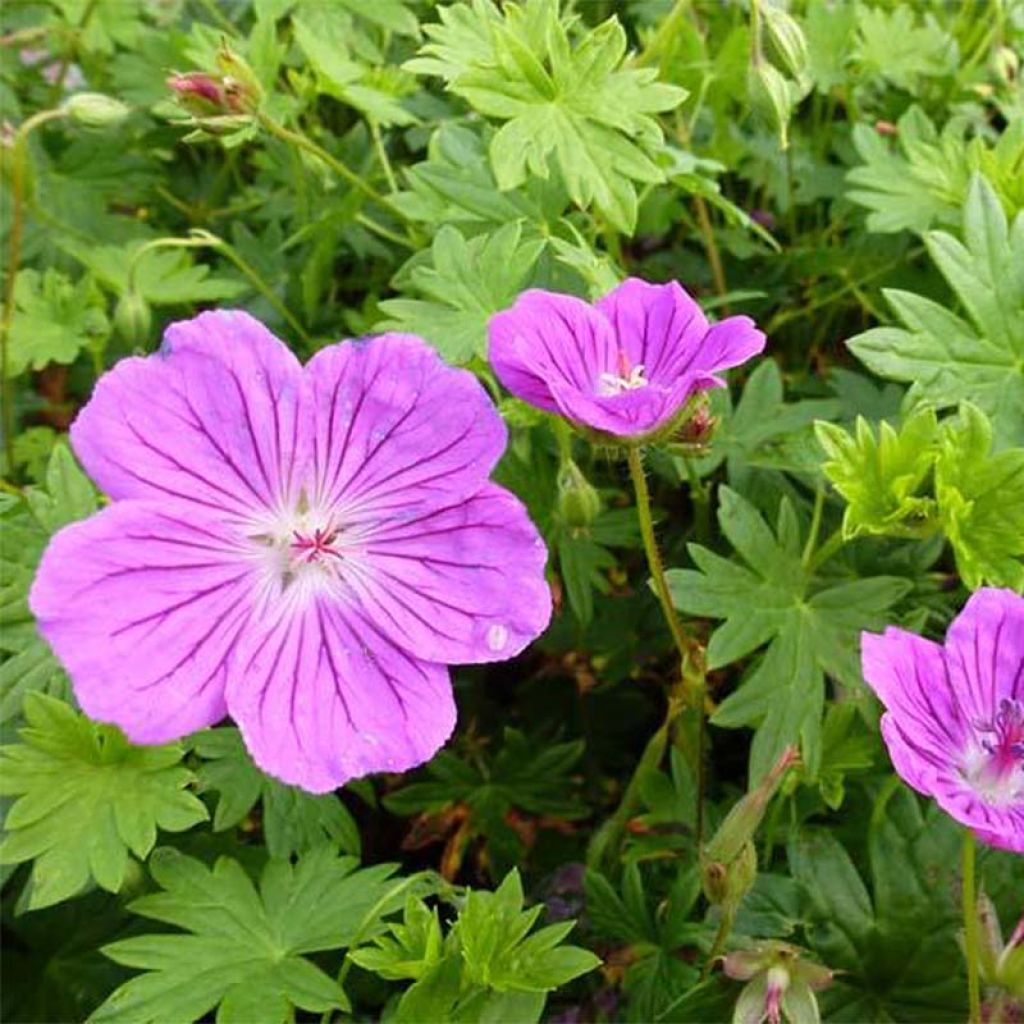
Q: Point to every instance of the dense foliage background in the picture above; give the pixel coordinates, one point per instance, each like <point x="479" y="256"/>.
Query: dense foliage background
<point x="850" y="174"/>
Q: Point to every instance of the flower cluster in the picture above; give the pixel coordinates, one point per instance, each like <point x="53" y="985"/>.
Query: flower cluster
<point x="306" y="549"/>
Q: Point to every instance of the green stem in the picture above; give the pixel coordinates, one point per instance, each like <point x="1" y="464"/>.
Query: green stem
<point x="691" y="654"/>
<point x="701" y="498"/>
<point x="971" y="937"/>
<point x="711" y="248"/>
<point x="19" y="167"/>
<point x="812" y="534"/>
<point x="834" y="542"/>
<point x="725" y="923"/>
<point x="341" y="169"/>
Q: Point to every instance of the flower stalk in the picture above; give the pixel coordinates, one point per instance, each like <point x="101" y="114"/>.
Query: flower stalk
<point x="972" y="942"/>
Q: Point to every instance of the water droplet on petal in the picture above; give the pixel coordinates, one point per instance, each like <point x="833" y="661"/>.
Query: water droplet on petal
<point x="497" y="637"/>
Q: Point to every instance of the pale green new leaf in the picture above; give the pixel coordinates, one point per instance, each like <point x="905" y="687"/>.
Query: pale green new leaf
<point x="54" y="320"/>
<point x="948" y="358"/>
<point x="771" y="599"/>
<point x="892" y="45"/>
<point x="568" y="105"/>
<point x="293" y="821"/>
<point x="86" y="800"/>
<point x="464" y="284"/>
<point x="981" y="502"/>
<point x="880" y="477"/>
<point x="239" y="947"/>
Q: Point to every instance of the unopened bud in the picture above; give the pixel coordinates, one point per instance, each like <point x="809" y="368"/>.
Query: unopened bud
<point x="886" y="128"/>
<point x="133" y="317"/>
<point x="578" y="503"/>
<point x="786" y="38"/>
<point x="242" y="88"/>
<point x="198" y="92"/>
<point x="768" y="92"/>
<point x="725" y="883"/>
<point x="95" y="110"/>
<point x="1006" y="63"/>
<point x="698" y="430"/>
<point x="743" y="820"/>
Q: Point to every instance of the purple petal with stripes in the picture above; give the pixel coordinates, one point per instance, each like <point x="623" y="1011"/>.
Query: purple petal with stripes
<point x="396" y="429"/>
<point x="322" y="696"/>
<point x="464" y="583"/>
<point x="214" y="419"/>
<point x="954" y="719"/>
<point x="143" y="603"/>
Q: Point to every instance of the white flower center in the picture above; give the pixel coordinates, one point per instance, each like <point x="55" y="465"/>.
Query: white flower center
<point x="615" y="384"/>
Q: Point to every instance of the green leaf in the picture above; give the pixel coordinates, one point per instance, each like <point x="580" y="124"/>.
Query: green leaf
<point x="771" y="599"/>
<point x="573" y="108"/>
<point x="69" y="495"/>
<point x="498" y="953"/>
<point x="892" y="45"/>
<point x="86" y="799"/>
<point x="465" y="283"/>
<point x="924" y="181"/>
<point x="950" y="359"/>
<point x="981" y="501"/>
<point x="54" y="320"/>
<point x="163" y="277"/>
<point x="241" y="948"/>
<point x="407" y="950"/>
<point x="880" y="477"/>
<point x="293" y="821"/>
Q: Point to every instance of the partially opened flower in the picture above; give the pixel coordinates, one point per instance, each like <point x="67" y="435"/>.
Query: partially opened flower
<point x="305" y="549"/>
<point x="623" y="366"/>
<point x="954" y="720"/>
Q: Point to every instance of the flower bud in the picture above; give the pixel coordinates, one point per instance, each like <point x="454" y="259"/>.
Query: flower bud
<point x="786" y="39"/>
<point x="578" y="503"/>
<point x="1000" y="964"/>
<point x="133" y="317"/>
<point x="198" y="92"/>
<point x="94" y="110"/>
<point x="242" y="88"/>
<point x="725" y="883"/>
<point x="1006" y="63"/>
<point x="768" y="92"/>
<point x="743" y="820"/>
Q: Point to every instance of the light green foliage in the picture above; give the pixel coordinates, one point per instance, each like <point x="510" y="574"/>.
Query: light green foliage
<point x="898" y="46"/>
<point x="24" y="530"/>
<point x="163" y="277"/>
<point x="465" y="283"/>
<point x="86" y="800"/>
<point x="950" y="358"/>
<point x="491" y="966"/>
<point x="568" y="103"/>
<point x="771" y="598"/>
<point x="54" y="320"/>
<point x="241" y="948"/>
<point x="981" y="501"/>
<point x="922" y="179"/>
<point x="293" y="821"/>
<point x="881" y="477"/>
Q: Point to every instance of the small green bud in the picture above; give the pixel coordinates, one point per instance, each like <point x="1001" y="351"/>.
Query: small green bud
<point x="94" y="110"/>
<point x="786" y="38"/>
<point x="1006" y="63"/>
<point x="769" y="95"/>
<point x="133" y="317"/>
<point x="726" y="883"/>
<point x="578" y="503"/>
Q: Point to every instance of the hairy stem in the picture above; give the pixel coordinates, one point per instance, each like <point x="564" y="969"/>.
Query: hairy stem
<point x="19" y="169"/>
<point x="690" y="725"/>
<point x="971" y="937"/>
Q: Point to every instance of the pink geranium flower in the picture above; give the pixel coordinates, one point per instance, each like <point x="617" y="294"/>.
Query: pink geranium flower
<point x="954" y="720"/>
<point x="623" y="366"/>
<point x="305" y="549"/>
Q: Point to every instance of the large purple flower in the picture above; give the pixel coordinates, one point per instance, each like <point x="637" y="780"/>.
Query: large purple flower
<point x="954" y="720"/>
<point x="625" y="365"/>
<point x="305" y="549"/>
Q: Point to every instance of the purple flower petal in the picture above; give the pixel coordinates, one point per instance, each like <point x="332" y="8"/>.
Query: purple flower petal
<point x="954" y="721"/>
<point x="212" y="419"/>
<point x="985" y="651"/>
<point x="322" y="696"/>
<point x="398" y="429"/>
<point x="624" y="366"/>
<point x="142" y="604"/>
<point x="460" y="584"/>
<point x="548" y="338"/>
